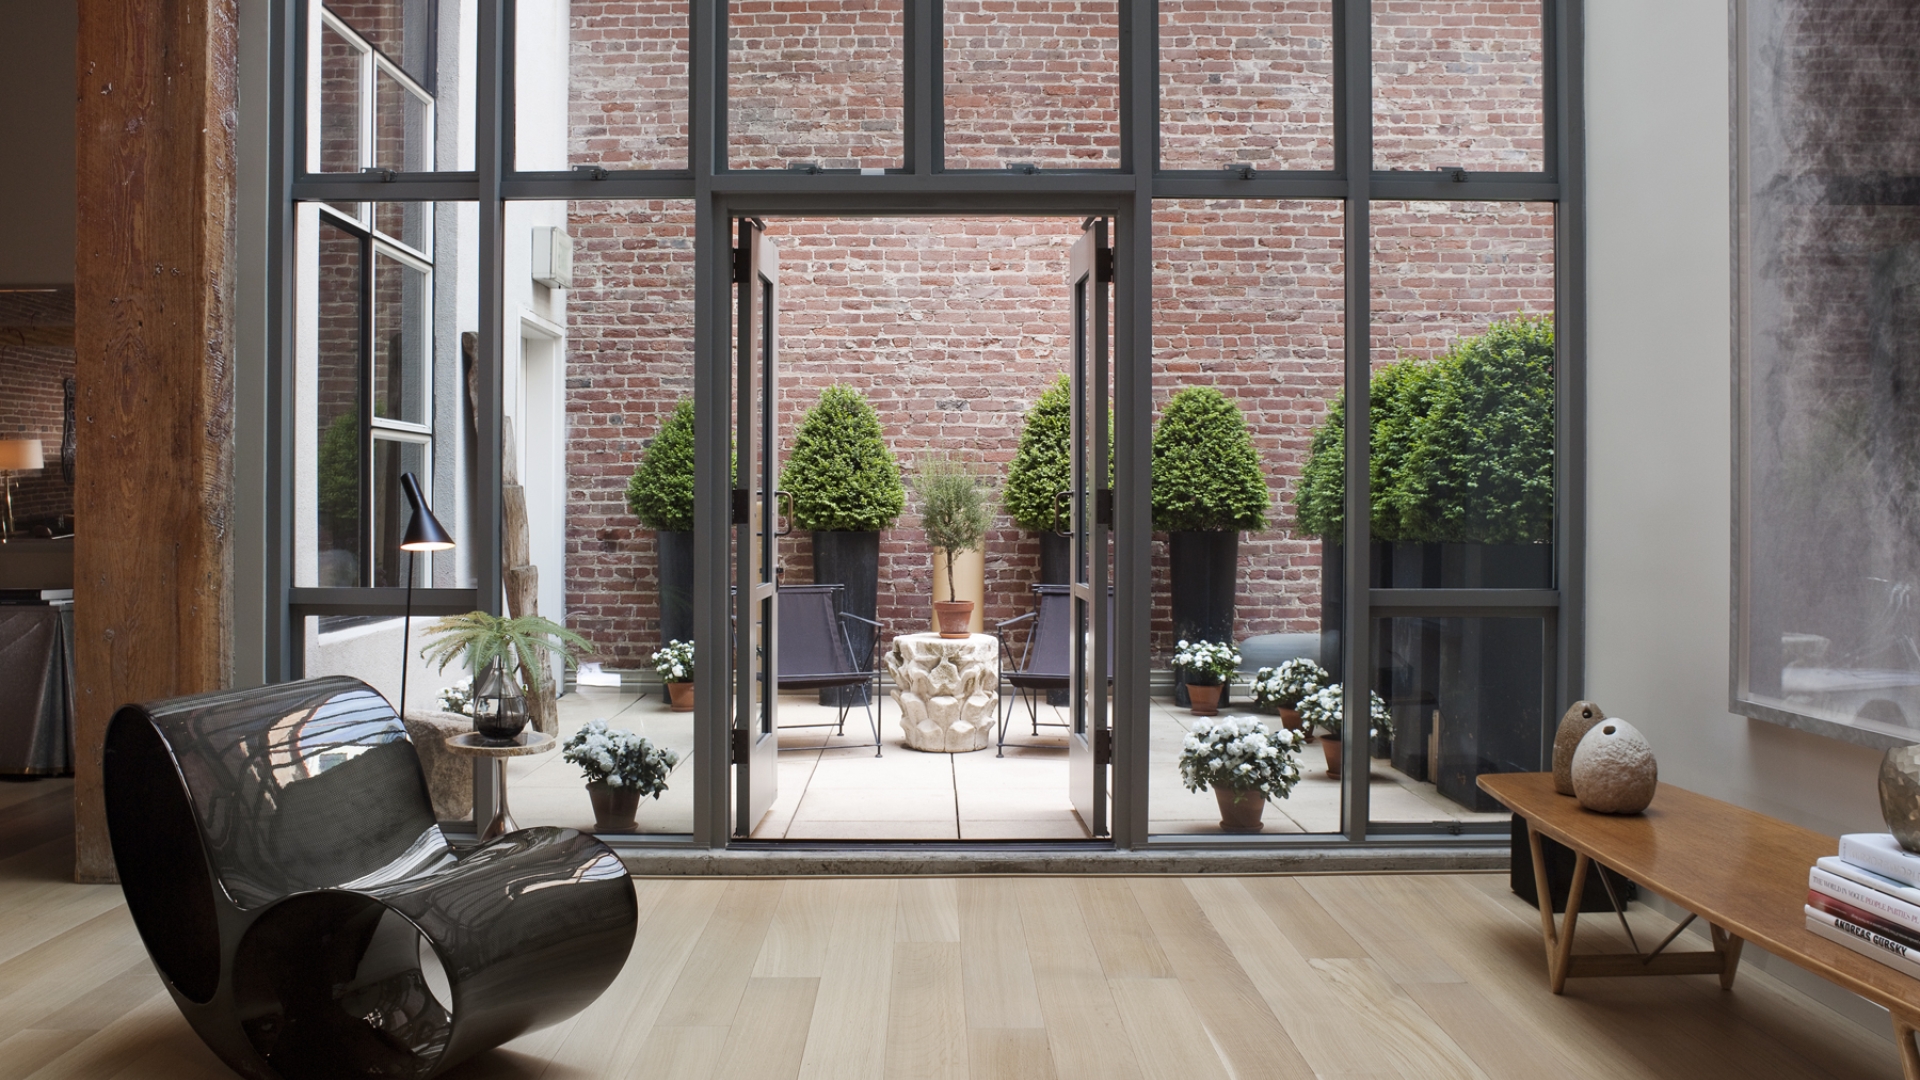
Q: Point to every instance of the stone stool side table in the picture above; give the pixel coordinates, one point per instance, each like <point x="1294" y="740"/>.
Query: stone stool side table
<point x="948" y="690"/>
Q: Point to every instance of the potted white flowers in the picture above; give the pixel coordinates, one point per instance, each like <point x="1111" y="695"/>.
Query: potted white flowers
<point x="1208" y="665"/>
<point x="675" y="665"/>
<point x="1284" y="687"/>
<point x="1326" y="708"/>
<point x="621" y="766"/>
<point x="1244" y="763"/>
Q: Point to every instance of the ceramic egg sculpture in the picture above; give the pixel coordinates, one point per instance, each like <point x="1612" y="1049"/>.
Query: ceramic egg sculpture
<point x="1579" y="719"/>
<point x="1613" y="769"/>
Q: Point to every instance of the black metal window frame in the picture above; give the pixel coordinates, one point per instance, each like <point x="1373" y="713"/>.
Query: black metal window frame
<point x="925" y="186"/>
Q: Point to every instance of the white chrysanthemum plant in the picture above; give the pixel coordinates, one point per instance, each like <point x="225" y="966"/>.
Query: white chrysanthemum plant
<point x="1289" y="684"/>
<point x="675" y="662"/>
<point x="1240" y="753"/>
<point x="1206" y="662"/>
<point x="1326" y="709"/>
<point x="620" y="758"/>
<point x="458" y="698"/>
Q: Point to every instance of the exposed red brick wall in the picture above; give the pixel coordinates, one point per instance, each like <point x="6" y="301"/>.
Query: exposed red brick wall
<point x="627" y="63"/>
<point x="1458" y="83"/>
<point x="1246" y="81"/>
<point x="812" y="82"/>
<point x="1032" y="81"/>
<point x="33" y="399"/>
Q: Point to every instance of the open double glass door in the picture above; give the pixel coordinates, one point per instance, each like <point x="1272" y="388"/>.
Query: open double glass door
<point x="1090" y="739"/>
<point x="756" y="600"/>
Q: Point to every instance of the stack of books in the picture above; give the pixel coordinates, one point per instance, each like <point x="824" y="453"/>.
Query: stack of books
<point x="1868" y="899"/>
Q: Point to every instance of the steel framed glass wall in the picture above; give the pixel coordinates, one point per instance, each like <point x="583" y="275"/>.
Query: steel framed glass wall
<point x="1374" y="133"/>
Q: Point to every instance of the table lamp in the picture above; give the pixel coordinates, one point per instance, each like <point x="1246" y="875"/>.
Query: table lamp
<point x="424" y="533"/>
<point x="18" y="455"/>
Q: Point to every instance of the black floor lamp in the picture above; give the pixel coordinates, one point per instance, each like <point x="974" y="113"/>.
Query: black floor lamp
<point x="424" y="533"/>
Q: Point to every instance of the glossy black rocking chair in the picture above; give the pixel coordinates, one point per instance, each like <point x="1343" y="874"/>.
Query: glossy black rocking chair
<point x="279" y="855"/>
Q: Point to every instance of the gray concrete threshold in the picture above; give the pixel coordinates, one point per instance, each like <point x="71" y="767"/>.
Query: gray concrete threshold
<point x="812" y="861"/>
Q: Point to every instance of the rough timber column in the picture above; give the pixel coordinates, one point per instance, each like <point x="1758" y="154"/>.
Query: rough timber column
<point x="153" y="291"/>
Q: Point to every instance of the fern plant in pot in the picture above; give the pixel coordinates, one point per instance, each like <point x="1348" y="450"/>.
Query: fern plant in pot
<point x="510" y="657"/>
<point x="955" y="510"/>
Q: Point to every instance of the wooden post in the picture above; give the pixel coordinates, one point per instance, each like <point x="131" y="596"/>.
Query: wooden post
<point x="153" y="339"/>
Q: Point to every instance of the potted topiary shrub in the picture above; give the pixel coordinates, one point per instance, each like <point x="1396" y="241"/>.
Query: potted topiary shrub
<point x="1207" y="487"/>
<point x="845" y="486"/>
<point x="621" y="766"/>
<point x="955" y="510"/>
<point x="1283" y="688"/>
<point x="1207" y="666"/>
<point x="1041" y="469"/>
<point x="660" y="494"/>
<point x="1246" y="764"/>
<point x="1326" y="709"/>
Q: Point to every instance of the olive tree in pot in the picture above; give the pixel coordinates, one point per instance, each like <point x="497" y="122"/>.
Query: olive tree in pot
<point x="955" y="510"/>
<point x="1207" y="487"/>
<point x="845" y="486"/>
<point x="660" y="494"/>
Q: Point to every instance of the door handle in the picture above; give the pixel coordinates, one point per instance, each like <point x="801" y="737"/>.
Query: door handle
<point x="787" y="495"/>
<point x="1058" y="498"/>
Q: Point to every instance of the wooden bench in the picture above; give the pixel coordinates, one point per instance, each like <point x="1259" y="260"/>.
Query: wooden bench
<point x="1744" y="873"/>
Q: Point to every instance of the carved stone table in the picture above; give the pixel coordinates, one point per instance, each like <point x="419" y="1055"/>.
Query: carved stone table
<point x="948" y="690"/>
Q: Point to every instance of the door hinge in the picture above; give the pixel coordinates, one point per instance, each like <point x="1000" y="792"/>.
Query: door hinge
<point x="742" y="265"/>
<point x="742" y="507"/>
<point x="1103" y="746"/>
<point x="738" y="750"/>
<point x="1103" y="264"/>
<point x="1103" y="507"/>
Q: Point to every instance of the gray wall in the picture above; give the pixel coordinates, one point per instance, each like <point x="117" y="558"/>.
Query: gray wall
<point x="37" y="50"/>
<point x="1659" y="418"/>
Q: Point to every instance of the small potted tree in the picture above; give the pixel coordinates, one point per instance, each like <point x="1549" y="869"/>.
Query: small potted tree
<point x="1207" y="488"/>
<point x="674" y="664"/>
<point x="1207" y="666"/>
<point x="846" y="488"/>
<point x="1283" y="688"/>
<point x="1244" y="763"/>
<point x="1326" y="709"/>
<point x="955" y="511"/>
<point x="660" y="494"/>
<point x="514" y="650"/>
<point x="621" y="766"/>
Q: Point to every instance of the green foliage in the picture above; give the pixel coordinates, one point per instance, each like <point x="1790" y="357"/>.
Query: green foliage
<point x="1206" y="473"/>
<point x="1043" y="465"/>
<point x="340" y="472"/>
<point x="660" y="492"/>
<point x="955" y="508"/>
<point x="841" y="475"/>
<point x="479" y="639"/>
<point x="1461" y="448"/>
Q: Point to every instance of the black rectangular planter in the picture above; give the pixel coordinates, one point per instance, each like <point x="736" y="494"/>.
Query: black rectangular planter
<point x="1559" y="859"/>
<point x="1203" y="573"/>
<point x="673" y="566"/>
<point x="850" y="560"/>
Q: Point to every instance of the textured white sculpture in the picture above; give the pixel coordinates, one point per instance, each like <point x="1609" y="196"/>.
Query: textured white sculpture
<point x="947" y="690"/>
<point x="1613" y="769"/>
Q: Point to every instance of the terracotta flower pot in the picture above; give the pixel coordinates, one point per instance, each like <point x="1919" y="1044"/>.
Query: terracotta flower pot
<point x="955" y="617"/>
<point x="614" y="808"/>
<point x="1205" y="699"/>
<point x="1332" y="748"/>
<point x="680" y="696"/>
<point x="1239" y="810"/>
<point x="1290" y="719"/>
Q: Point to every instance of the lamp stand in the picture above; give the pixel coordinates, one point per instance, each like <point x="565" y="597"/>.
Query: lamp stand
<point x="7" y="534"/>
<point x="406" y="637"/>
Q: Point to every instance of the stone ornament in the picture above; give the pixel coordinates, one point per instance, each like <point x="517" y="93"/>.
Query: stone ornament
<point x="1580" y="717"/>
<point x="948" y="690"/>
<point x="1900" y="794"/>
<point x="1613" y="769"/>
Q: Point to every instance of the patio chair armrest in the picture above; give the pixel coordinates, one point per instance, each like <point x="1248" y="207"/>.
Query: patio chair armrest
<point x="860" y="618"/>
<point x="1005" y="623"/>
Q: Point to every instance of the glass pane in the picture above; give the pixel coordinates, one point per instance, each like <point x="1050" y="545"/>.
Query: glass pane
<point x="1463" y="696"/>
<point x="1246" y="81"/>
<point x="1459" y="84"/>
<point x="391" y="511"/>
<point x="1032" y="83"/>
<point x="401" y="296"/>
<point x="816" y="84"/>
<point x="402" y="141"/>
<point x="1248" y="306"/>
<point x="336" y="121"/>
<point x="1462" y="398"/>
<point x="335" y="483"/>
<point x="401" y="29"/>
<point x="602" y="84"/>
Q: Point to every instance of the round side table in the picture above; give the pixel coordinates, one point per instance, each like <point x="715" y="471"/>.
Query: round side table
<point x="490" y="794"/>
<point x="948" y="690"/>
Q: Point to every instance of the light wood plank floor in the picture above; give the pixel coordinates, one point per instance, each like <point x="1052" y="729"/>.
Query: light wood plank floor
<point x="1340" y="978"/>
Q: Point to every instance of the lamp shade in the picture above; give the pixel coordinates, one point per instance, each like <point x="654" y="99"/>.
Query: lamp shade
<point x="424" y="532"/>
<point x="21" y="454"/>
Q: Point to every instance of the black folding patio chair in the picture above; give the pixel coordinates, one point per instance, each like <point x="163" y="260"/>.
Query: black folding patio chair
<point x="1045" y="661"/>
<point x="816" y="652"/>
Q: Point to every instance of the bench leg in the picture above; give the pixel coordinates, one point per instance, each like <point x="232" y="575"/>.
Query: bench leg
<point x="1559" y="942"/>
<point x="1728" y="946"/>
<point x="1903" y="1033"/>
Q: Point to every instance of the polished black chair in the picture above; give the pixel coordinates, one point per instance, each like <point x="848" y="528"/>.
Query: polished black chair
<point x="278" y="852"/>
<point x="816" y="652"/>
<point x="1045" y="663"/>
